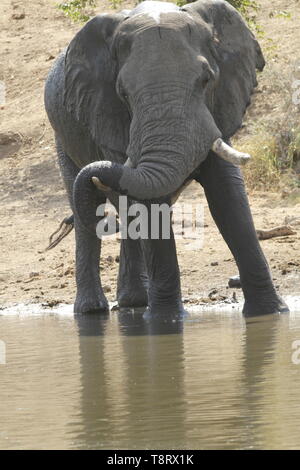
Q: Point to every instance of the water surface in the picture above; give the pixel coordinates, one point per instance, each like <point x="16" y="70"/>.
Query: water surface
<point x="213" y="381"/>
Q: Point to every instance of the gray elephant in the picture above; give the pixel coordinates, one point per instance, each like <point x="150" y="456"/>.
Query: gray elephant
<point x="141" y="102"/>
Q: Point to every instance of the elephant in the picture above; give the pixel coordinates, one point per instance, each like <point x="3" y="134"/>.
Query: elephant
<point x="141" y="102"/>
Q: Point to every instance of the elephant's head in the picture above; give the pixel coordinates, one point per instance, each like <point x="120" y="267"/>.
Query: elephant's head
<point x="161" y="84"/>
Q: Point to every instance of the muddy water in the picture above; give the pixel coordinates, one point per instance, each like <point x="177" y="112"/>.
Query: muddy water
<point x="119" y="382"/>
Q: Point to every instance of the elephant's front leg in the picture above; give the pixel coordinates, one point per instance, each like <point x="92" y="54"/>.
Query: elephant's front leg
<point x="228" y="202"/>
<point x="90" y="296"/>
<point x="164" y="294"/>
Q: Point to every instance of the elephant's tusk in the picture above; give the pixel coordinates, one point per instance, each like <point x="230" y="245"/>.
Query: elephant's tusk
<point x="230" y="154"/>
<point x="129" y="163"/>
<point x="100" y="185"/>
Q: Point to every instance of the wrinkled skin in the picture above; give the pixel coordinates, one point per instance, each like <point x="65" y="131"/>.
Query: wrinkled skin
<point x="159" y="85"/>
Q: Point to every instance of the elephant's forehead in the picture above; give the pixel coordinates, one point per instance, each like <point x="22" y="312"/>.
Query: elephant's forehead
<point x="171" y="19"/>
<point x="154" y="9"/>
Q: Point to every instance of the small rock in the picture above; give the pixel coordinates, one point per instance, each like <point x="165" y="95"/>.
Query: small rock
<point x="234" y="281"/>
<point x="110" y="259"/>
<point x="117" y="259"/>
<point x="106" y="289"/>
<point x="69" y="271"/>
<point x="34" y="274"/>
<point x="214" y="263"/>
<point x="212" y="293"/>
<point x="50" y="303"/>
<point x="18" y="16"/>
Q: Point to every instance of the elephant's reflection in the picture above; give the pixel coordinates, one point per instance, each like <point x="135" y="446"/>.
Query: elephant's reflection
<point x="143" y="387"/>
<point x="261" y="338"/>
<point x="132" y="383"/>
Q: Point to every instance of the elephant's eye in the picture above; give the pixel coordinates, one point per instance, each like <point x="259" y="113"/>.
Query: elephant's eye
<point x="122" y="93"/>
<point x="125" y="98"/>
<point x="205" y="80"/>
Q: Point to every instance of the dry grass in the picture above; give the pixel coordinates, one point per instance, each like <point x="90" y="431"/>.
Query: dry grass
<point x="275" y="163"/>
<point x="272" y="131"/>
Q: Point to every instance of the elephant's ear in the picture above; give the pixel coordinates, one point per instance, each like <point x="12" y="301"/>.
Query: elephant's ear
<point x="90" y="94"/>
<point x="238" y="55"/>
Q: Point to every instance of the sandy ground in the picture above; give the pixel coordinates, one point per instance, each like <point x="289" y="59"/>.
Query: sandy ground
<point x="33" y="199"/>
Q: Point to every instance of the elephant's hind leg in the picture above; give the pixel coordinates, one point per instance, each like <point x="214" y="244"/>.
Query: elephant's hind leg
<point x="90" y="296"/>
<point x="132" y="280"/>
<point x="132" y="288"/>
<point x="162" y="265"/>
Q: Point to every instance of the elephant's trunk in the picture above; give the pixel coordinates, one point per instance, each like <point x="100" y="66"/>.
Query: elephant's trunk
<point x="164" y="148"/>
<point x="164" y="151"/>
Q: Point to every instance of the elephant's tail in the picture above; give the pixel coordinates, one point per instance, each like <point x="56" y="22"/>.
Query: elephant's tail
<point x="63" y="230"/>
<point x="67" y="225"/>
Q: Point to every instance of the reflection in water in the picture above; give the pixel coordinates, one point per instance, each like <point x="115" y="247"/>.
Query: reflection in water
<point x="271" y="383"/>
<point x="119" y="381"/>
<point x="133" y="372"/>
<point x="259" y="353"/>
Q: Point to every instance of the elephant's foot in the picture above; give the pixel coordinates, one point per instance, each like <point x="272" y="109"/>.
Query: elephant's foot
<point x="135" y="296"/>
<point x="254" y="307"/>
<point x="166" y="312"/>
<point x="94" y="303"/>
